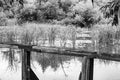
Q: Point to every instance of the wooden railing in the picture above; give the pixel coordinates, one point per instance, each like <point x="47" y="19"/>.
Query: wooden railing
<point x="87" y="64"/>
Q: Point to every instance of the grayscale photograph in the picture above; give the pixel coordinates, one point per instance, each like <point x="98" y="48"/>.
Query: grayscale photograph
<point x="59" y="39"/>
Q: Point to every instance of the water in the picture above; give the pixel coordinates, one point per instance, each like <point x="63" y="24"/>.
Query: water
<point x="109" y="71"/>
<point x="51" y="67"/>
<point x="6" y="73"/>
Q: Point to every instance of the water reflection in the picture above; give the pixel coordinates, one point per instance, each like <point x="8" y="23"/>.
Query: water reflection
<point x="104" y="71"/>
<point x="49" y="60"/>
<point x="70" y="70"/>
<point x="54" y="67"/>
<point x="46" y="66"/>
<point x="12" y="57"/>
<point x="8" y="73"/>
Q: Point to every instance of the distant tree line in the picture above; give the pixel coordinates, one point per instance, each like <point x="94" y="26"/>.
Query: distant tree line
<point x="58" y="11"/>
<point x="55" y="11"/>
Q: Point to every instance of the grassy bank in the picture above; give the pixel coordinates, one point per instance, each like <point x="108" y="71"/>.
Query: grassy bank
<point x="37" y="34"/>
<point x="107" y="38"/>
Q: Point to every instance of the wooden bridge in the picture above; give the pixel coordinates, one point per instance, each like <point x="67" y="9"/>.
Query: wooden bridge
<point x="87" y="64"/>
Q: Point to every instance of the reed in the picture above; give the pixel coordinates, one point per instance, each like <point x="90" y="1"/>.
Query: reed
<point x="73" y="33"/>
<point x="38" y="34"/>
<point x="106" y="38"/>
<point x="52" y="34"/>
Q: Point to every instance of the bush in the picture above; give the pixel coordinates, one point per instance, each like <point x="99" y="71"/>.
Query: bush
<point x="27" y="15"/>
<point x="40" y="16"/>
<point x="50" y="11"/>
<point x="65" y="5"/>
<point x="60" y="14"/>
<point x="45" y="13"/>
<point x="3" y="19"/>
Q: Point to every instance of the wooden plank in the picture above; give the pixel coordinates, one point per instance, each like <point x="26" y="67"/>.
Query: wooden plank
<point x="106" y="56"/>
<point x="69" y="52"/>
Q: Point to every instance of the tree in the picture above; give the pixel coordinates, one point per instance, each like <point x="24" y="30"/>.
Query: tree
<point x="13" y="6"/>
<point x="50" y="11"/>
<point x="27" y="15"/>
<point x="111" y="10"/>
<point x="7" y="4"/>
<point x="65" y="5"/>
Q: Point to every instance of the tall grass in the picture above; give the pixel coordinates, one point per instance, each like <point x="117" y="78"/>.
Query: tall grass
<point x="52" y="35"/>
<point x="38" y="34"/>
<point x="107" y="38"/>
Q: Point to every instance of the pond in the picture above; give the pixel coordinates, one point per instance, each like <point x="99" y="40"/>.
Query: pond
<point x="54" y="67"/>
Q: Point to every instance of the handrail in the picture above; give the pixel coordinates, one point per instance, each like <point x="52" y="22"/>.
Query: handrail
<point x="67" y="51"/>
<point x="87" y="63"/>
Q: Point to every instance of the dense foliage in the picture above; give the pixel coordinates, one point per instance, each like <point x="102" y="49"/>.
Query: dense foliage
<point x="66" y="12"/>
<point x="111" y="10"/>
<point x="47" y="11"/>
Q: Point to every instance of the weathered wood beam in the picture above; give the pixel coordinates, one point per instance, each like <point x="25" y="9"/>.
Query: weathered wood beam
<point x="69" y="52"/>
<point x="105" y="56"/>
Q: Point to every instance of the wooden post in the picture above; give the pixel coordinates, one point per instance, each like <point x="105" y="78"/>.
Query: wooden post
<point x="87" y="68"/>
<point x="26" y="64"/>
<point x="84" y="67"/>
<point x="91" y="68"/>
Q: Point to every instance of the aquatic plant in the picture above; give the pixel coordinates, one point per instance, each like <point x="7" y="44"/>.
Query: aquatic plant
<point x="52" y="34"/>
<point x="106" y="38"/>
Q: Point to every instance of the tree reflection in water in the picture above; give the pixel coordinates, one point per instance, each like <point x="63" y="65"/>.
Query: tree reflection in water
<point x="105" y="44"/>
<point x="50" y="60"/>
<point x="13" y="56"/>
